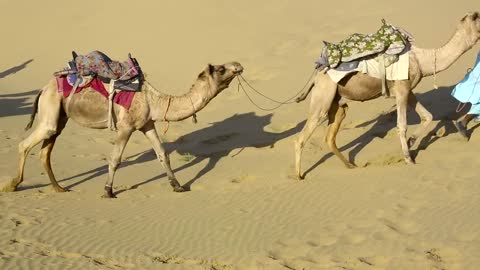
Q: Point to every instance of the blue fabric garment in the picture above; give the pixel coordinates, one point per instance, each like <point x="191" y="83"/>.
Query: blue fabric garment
<point x="468" y="90"/>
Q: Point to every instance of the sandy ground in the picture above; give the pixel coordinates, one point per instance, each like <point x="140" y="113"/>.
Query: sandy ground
<point x="243" y="210"/>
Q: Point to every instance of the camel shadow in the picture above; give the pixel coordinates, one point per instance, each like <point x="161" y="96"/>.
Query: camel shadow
<point x="438" y="101"/>
<point x="212" y="143"/>
<point x="16" y="104"/>
<point x="15" y="69"/>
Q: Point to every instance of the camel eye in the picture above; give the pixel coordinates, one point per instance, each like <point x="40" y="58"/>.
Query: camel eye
<point x="221" y="70"/>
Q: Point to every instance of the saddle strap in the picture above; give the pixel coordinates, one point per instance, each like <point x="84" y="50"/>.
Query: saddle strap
<point x="69" y="98"/>
<point x="383" y="74"/>
<point x="111" y="93"/>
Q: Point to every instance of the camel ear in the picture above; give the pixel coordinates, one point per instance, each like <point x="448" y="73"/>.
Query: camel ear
<point x="210" y="69"/>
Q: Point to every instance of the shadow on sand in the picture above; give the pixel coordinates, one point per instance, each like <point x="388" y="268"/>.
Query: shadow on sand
<point x="16" y="104"/>
<point x="240" y="131"/>
<point x="438" y="101"/>
<point x="213" y="143"/>
<point x="15" y="69"/>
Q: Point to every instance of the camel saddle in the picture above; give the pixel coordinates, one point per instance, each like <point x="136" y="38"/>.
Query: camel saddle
<point x="126" y="75"/>
<point x="120" y="76"/>
<point x="388" y="41"/>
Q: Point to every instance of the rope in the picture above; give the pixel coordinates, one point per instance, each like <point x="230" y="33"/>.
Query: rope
<point x="165" y="116"/>
<point x="279" y="103"/>
<point x="253" y="102"/>
<point x="435" y="69"/>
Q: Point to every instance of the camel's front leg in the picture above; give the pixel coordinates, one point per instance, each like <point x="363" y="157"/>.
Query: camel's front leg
<point x="151" y="133"/>
<point x="402" y="91"/>
<point x="122" y="137"/>
<point x="425" y="116"/>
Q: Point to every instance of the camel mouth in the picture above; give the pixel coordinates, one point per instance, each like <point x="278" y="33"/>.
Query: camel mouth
<point x="238" y="72"/>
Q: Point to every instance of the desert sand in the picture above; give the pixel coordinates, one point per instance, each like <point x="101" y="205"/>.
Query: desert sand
<point x="243" y="211"/>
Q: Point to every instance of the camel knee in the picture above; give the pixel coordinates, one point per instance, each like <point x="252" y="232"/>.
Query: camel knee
<point x="113" y="163"/>
<point x="401" y="130"/>
<point x="427" y="118"/>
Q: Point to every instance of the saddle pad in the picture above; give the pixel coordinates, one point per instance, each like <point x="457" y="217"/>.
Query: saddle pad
<point x="396" y="71"/>
<point x="122" y="98"/>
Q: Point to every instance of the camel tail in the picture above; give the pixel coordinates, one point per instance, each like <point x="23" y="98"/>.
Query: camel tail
<point x="304" y="95"/>
<point x="34" y="112"/>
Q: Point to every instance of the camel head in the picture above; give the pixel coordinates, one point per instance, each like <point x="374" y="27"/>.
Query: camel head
<point x="471" y="25"/>
<point x="220" y="76"/>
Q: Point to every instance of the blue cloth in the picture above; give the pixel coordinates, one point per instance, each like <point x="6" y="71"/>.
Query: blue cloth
<point x="468" y="90"/>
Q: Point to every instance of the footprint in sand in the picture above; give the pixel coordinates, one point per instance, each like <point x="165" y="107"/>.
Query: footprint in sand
<point x="401" y="226"/>
<point x="385" y="160"/>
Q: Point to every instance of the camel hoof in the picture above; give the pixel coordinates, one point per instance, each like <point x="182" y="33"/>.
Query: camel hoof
<point x="108" y="193"/>
<point x="350" y="165"/>
<point x="179" y="189"/>
<point x="60" y="189"/>
<point x="409" y="160"/>
<point x="8" y="186"/>
<point x="108" y="196"/>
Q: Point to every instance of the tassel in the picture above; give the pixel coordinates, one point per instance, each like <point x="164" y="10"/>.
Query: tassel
<point x="194" y="118"/>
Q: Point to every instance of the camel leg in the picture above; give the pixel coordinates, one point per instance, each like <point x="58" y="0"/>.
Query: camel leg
<point x="49" y="104"/>
<point x="122" y="137"/>
<point x="402" y="90"/>
<point x="425" y="116"/>
<point x="335" y="117"/>
<point x="46" y="151"/>
<point x="24" y="148"/>
<point x="322" y="98"/>
<point x="152" y="135"/>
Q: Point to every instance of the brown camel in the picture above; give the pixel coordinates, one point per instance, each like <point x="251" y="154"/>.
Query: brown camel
<point x="89" y="109"/>
<point x="329" y="99"/>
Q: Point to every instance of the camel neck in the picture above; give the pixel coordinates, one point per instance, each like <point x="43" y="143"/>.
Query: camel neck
<point x="177" y="108"/>
<point x="436" y="60"/>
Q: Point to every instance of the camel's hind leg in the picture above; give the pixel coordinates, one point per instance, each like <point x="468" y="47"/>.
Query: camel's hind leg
<point x="335" y="117"/>
<point x="46" y="151"/>
<point x="151" y="133"/>
<point x="322" y="97"/>
<point x="49" y="105"/>
<point x="425" y="116"/>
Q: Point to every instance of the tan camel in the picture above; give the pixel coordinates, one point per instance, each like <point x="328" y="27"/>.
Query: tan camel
<point x="89" y="109"/>
<point x="329" y="99"/>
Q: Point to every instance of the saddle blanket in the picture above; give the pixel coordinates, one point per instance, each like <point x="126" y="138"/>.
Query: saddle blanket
<point x="396" y="71"/>
<point x="122" y="98"/>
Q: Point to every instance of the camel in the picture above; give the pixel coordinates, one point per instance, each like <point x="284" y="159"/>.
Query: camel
<point x="89" y="109"/>
<point x="329" y="99"/>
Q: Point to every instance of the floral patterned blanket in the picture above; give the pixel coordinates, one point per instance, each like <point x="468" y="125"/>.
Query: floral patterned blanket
<point x="100" y="64"/>
<point x="389" y="40"/>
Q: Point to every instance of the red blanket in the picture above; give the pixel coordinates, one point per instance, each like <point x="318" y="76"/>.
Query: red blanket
<point x="123" y="98"/>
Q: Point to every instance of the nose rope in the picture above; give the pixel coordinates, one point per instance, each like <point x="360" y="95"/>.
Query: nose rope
<point x="279" y="103"/>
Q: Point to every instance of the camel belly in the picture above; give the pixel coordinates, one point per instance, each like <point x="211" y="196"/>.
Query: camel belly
<point x="360" y="87"/>
<point x="88" y="108"/>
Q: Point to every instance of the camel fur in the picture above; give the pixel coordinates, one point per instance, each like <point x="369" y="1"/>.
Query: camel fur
<point x="329" y="99"/>
<point x="89" y="109"/>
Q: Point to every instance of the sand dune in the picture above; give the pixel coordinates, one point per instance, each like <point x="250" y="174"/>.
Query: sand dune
<point x="243" y="211"/>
